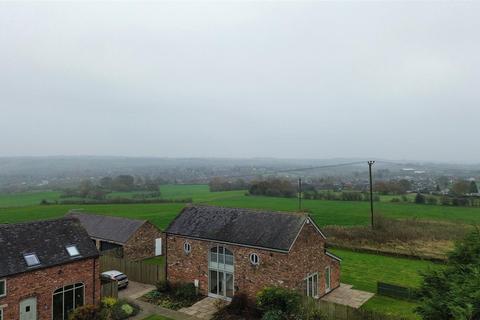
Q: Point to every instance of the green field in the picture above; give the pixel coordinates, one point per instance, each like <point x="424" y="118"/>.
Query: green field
<point x="347" y="213"/>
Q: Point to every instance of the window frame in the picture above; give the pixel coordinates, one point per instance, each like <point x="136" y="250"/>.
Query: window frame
<point x="328" y="271"/>
<point x="74" y="247"/>
<point x="313" y="290"/>
<point x="2" y="308"/>
<point x="4" y="280"/>
<point x="31" y="254"/>
<point x="62" y="292"/>
<point x="187" y="247"/>
<point x="252" y="256"/>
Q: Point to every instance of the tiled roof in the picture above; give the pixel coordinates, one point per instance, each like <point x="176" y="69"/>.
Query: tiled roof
<point x="46" y="239"/>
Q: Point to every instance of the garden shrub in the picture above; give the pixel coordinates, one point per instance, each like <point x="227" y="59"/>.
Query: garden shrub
<point x="185" y="291"/>
<point x="276" y="298"/>
<point x="87" y="312"/>
<point x="124" y="309"/>
<point x="274" y="315"/>
<point x="153" y="295"/>
<point x="163" y="286"/>
<point x="239" y="304"/>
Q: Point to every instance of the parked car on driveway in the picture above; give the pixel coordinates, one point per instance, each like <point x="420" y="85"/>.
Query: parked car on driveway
<point x="121" y="278"/>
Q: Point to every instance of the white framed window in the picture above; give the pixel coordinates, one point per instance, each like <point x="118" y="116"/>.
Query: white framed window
<point x="311" y="285"/>
<point x="3" y="288"/>
<point x="31" y="259"/>
<point x="1" y="312"/>
<point x="328" y="279"/>
<point x="254" y="259"/>
<point x="72" y="251"/>
<point x="66" y="299"/>
<point x="187" y="247"/>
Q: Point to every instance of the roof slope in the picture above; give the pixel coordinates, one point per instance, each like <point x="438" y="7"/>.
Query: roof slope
<point x="115" y="229"/>
<point x="47" y="239"/>
<point x="273" y="230"/>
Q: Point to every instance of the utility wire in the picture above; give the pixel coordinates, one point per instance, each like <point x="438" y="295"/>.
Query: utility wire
<point x="296" y="169"/>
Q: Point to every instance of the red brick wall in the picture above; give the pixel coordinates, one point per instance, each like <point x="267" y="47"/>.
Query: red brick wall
<point x="42" y="283"/>
<point x="276" y="269"/>
<point x="142" y="244"/>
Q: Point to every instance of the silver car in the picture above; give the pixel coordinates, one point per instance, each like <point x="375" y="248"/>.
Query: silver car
<point x="121" y="278"/>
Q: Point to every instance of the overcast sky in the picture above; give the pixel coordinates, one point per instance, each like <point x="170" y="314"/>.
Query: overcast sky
<point x="256" y="79"/>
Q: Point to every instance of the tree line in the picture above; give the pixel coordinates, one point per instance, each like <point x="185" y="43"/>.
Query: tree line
<point x="98" y="190"/>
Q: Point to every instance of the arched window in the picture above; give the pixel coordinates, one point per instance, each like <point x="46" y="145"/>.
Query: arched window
<point x="221" y="258"/>
<point x="221" y="276"/>
<point x="66" y="299"/>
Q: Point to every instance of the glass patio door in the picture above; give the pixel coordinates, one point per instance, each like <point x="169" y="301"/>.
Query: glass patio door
<point x="221" y="284"/>
<point x="220" y="275"/>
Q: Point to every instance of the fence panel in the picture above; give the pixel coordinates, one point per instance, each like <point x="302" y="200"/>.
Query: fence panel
<point x="394" y="291"/>
<point x="109" y="289"/>
<point x="341" y="312"/>
<point x="135" y="270"/>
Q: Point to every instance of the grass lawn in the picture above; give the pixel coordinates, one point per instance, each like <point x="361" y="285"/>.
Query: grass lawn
<point x="155" y="317"/>
<point x="363" y="270"/>
<point x="160" y="260"/>
<point x="394" y="307"/>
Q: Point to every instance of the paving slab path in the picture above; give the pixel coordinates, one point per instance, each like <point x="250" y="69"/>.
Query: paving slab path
<point x="347" y="296"/>
<point x="203" y="309"/>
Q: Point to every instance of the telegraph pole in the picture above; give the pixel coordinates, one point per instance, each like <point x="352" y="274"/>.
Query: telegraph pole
<point x="299" y="194"/>
<point x="370" y="164"/>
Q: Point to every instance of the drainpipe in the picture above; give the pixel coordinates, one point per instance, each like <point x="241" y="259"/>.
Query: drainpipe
<point x="94" y="281"/>
<point x="166" y="261"/>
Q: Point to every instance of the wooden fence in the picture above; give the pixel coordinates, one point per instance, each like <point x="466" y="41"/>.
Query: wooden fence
<point x="136" y="271"/>
<point x="394" y="291"/>
<point x="341" y="312"/>
<point x="109" y="289"/>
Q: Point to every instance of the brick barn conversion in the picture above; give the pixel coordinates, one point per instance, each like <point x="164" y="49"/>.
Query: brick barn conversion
<point x="47" y="269"/>
<point x="226" y="250"/>
<point x="130" y="238"/>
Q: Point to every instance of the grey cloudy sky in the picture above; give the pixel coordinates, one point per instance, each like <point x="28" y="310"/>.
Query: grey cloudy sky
<point x="238" y="79"/>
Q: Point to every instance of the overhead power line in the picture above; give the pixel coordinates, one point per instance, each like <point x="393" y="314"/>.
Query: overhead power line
<point x="297" y="169"/>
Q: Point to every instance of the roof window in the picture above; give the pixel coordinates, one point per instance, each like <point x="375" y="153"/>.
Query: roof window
<point x="31" y="259"/>
<point x="72" y="251"/>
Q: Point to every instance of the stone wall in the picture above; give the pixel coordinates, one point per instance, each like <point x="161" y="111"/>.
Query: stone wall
<point x="142" y="244"/>
<point x="43" y="282"/>
<point x="306" y="257"/>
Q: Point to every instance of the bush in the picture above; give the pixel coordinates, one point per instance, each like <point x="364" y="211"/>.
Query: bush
<point x="419" y="198"/>
<point x="274" y="315"/>
<point x="186" y="291"/>
<point x="432" y="200"/>
<point x="395" y="200"/>
<point x="276" y="298"/>
<point x="124" y="310"/>
<point x="87" y="312"/>
<point x="163" y="286"/>
<point x="239" y="304"/>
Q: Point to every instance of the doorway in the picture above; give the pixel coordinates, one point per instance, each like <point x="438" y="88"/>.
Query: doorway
<point x="28" y="309"/>
<point x="221" y="273"/>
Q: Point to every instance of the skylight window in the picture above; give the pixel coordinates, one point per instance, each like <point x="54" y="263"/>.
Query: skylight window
<point x="31" y="259"/>
<point x="72" y="251"/>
